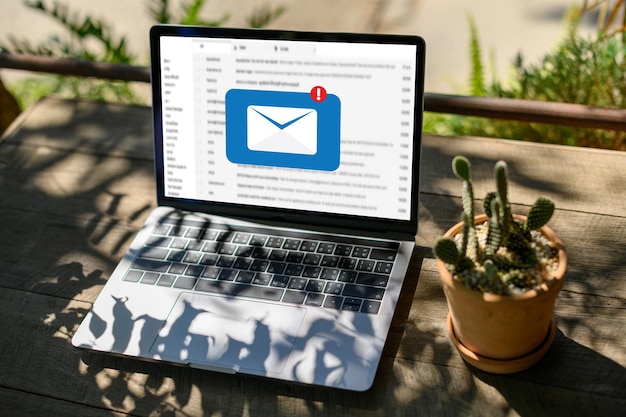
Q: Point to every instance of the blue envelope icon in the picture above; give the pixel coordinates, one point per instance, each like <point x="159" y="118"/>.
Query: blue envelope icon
<point x="284" y="129"/>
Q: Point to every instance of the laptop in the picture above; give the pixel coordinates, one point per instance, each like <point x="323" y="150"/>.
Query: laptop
<point x="287" y="173"/>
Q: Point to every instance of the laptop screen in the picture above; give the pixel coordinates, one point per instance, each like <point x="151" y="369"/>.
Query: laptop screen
<point x="286" y="122"/>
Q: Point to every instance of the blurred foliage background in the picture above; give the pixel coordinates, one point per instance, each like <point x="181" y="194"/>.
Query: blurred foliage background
<point x="580" y="70"/>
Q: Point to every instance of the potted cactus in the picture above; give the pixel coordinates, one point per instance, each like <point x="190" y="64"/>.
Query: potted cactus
<point x="501" y="274"/>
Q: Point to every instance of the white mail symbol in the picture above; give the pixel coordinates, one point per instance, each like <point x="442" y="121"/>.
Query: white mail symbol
<point x="282" y="129"/>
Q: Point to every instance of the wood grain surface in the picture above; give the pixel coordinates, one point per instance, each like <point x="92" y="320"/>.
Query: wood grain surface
<point x="76" y="183"/>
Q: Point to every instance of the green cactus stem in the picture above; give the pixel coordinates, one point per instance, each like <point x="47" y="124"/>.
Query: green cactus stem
<point x="446" y="250"/>
<point x="540" y="214"/>
<point x="462" y="169"/>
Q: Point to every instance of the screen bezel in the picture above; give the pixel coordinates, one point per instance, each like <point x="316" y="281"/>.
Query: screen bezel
<point x="363" y="224"/>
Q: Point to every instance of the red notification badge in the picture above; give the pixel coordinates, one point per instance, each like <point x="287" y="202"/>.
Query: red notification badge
<point x="318" y="94"/>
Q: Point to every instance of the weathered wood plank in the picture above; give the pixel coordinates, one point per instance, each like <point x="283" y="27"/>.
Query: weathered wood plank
<point x="404" y="386"/>
<point x="15" y="403"/>
<point x="579" y="179"/>
<point x="92" y="127"/>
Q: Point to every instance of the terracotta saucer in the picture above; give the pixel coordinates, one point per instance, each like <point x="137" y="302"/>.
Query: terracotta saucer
<point x="502" y="366"/>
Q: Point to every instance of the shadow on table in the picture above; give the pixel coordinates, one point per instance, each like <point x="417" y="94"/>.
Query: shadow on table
<point x="552" y="386"/>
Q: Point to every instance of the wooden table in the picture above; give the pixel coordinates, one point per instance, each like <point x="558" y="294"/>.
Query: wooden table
<point x="76" y="183"/>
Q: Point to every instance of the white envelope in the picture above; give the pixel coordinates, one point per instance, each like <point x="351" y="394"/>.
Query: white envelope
<point x="282" y="129"/>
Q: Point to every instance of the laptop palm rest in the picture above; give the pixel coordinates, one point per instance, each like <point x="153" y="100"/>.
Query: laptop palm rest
<point x="213" y="332"/>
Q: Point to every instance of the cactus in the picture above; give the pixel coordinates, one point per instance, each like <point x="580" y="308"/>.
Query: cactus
<point x="540" y="214"/>
<point x="493" y="272"/>
<point x="462" y="169"/>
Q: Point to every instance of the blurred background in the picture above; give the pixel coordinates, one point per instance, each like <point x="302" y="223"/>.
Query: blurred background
<point x="551" y="50"/>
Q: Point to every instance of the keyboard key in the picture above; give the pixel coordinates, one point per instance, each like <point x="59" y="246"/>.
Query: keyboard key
<point x="333" y="302"/>
<point x="347" y="276"/>
<point x="365" y="265"/>
<point x="211" y="247"/>
<point x="259" y="265"/>
<point x="326" y="248"/>
<point x="177" y="269"/>
<point x="262" y="279"/>
<point x="376" y="280"/>
<point x="225" y="261"/>
<point x="133" y="276"/>
<point x="330" y="261"/>
<point x="245" y="277"/>
<point x="149" y="278"/>
<point x="224" y="236"/>
<point x="166" y="280"/>
<point x="312" y="259"/>
<point x="383" y="267"/>
<point x="227" y="249"/>
<point x="297" y="284"/>
<point x="160" y="241"/>
<point x="195" y="245"/>
<point x="347" y="263"/>
<point x="294" y="297"/>
<point x="308" y="246"/>
<point x="161" y="229"/>
<point x="208" y="259"/>
<point x="343" y="250"/>
<point x="311" y="271"/>
<point x="292" y="244"/>
<point x="280" y="281"/>
<point x="363" y="291"/>
<point x="177" y="231"/>
<point x="315" y="286"/>
<point x="194" y="270"/>
<point x="229" y="288"/>
<point x="350" y="307"/>
<point x="176" y="256"/>
<point x="370" y="307"/>
<point x="334" y="288"/>
<point x="260" y="252"/>
<point x="259" y="240"/>
<point x="244" y="251"/>
<point x="154" y="252"/>
<point x="351" y="304"/>
<point x="193" y="233"/>
<point x="361" y="252"/>
<point x="277" y="255"/>
<point x="227" y="275"/>
<point x="241" y="238"/>
<point x="295" y="257"/>
<point x="185" y="283"/>
<point x="179" y="243"/>
<point x="242" y="263"/>
<point x="294" y="270"/>
<point x="329" y="274"/>
<point x="192" y="257"/>
<point x="211" y="272"/>
<point x="383" y="255"/>
<point x="275" y="242"/>
<point x="314" y="299"/>
<point x="276" y="267"/>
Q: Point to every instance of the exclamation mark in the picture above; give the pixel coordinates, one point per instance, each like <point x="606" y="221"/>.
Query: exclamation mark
<point x="318" y="94"/>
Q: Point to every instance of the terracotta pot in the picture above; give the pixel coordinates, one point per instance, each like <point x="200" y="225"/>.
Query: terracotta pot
<point x="502" y="334"/>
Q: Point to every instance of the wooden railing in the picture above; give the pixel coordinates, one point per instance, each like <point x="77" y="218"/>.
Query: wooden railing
<point x="496" y="108"/>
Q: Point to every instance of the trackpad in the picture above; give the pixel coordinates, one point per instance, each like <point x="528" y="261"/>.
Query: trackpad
<point x="229" y="333"/>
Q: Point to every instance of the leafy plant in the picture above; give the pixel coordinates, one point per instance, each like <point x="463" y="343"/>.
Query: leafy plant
<point x="579" y="70"/>
<point x="505" y="254"/>
<point x="90" y="39"/>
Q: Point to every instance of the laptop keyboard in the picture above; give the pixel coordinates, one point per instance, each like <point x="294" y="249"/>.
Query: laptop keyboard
<point x="342" y="273"/>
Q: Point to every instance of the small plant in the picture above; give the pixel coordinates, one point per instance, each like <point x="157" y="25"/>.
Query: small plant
<point x="503" y="255"/>
<point x="91" y="39"/>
